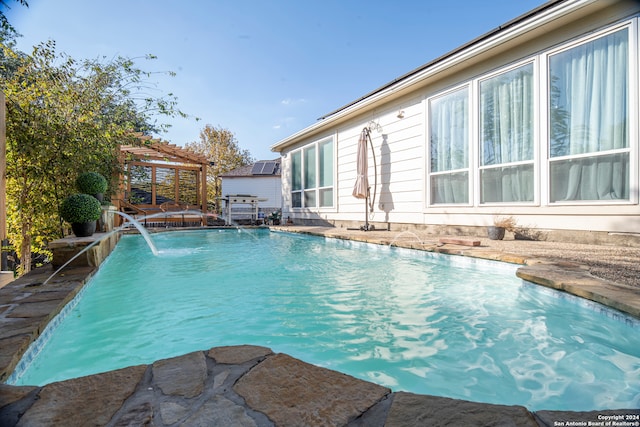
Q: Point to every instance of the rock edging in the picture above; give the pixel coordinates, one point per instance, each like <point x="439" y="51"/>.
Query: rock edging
<point x="253" y="387"/>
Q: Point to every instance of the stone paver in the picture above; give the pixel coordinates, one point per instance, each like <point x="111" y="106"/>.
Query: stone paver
<point x="580" y="283"/>
<point x="267" y="390"/>
<point x="417" y="410"/>
<point x="233" y="356"/>
<point x="181" y="377"/>
<point x="250" y="385"/>
<point x="90" y="400"/>
<point x="291" y="392"/>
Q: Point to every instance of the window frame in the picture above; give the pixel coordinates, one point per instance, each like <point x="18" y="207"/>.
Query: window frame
<point x="632" y="111"/>
<point x="467" y="87"/>
<point x="478" y="141"/>
<point x="314" y="192"/>
<point x="542" y="161"/>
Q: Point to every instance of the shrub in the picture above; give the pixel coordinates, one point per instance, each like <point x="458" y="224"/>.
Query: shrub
<point x="79" y="208"/>
<point x="91" y="183"/>
<point x="506" y="222"/>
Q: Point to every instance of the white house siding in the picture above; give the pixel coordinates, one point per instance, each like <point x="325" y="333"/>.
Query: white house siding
<point x="401" y="144"/>
<point x="399" y="153"/>
<point x="268" y="187"/>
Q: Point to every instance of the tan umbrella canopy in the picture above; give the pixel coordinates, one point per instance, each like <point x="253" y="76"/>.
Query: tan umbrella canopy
<point x="361" y="187"/>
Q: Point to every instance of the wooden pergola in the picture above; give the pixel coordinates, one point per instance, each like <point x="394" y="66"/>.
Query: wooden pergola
<point x="161" y="177"/>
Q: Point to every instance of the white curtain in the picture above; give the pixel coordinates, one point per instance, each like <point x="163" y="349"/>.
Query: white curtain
<point x="325" y="162"/>
<point x="450" y="148"/>
<point x="296" y="179"/>
<point x="588" y="114"/>
<point x="507" y="113"/>
<point x="310" y="175"/>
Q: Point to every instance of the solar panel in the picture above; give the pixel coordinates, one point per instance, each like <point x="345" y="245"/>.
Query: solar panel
<point x="269" y="168"/>
<point x="264" y="168"/>
<point x="257" y="168"/>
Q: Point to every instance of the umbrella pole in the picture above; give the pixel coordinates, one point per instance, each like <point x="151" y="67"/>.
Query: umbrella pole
<point x="366" y="211"/>
<point x="362" y="176"/>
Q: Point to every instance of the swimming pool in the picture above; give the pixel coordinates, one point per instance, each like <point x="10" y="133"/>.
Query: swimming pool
<point x="410" y="320"/>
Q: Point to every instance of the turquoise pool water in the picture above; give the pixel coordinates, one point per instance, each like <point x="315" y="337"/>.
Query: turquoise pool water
<point x="409" y="320"/>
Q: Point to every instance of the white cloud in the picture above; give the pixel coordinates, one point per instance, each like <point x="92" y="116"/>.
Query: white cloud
<point x="290" y="101"/>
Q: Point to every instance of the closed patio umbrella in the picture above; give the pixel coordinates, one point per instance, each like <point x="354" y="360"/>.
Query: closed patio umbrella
<point x="361" y="187"/>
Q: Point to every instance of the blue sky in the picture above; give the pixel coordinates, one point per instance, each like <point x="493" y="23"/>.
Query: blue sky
<point x="262" y="69"/>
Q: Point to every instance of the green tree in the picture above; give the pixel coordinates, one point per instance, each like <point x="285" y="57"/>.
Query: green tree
<point x="220" y="146"/>
<point x="4" y="22"/>
<point x="63" y="118"/>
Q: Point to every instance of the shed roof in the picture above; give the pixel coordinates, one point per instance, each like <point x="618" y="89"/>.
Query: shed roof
<point x="258" y="169"/>
<point x="156" y="149"/>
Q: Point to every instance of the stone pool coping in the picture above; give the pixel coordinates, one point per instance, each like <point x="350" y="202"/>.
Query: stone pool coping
<point x="247" y="385"/>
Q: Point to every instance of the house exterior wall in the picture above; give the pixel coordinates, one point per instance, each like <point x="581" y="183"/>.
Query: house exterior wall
<point x="401" y="141"/>
<point x="268" y="187"/>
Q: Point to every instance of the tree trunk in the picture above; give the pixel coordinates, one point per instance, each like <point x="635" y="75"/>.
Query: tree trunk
<point x="25" y="249"/>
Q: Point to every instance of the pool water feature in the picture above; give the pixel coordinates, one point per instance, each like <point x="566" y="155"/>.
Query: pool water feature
<point x="410" y="320"/>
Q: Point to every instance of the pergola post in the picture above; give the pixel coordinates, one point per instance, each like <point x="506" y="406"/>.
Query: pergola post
<point x="3" y="179"/>
<point x="203" y="186"/>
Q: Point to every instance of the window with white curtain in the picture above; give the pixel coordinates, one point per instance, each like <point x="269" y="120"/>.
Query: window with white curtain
<point x="325" y="173"/>
<point x="296" y="179"/>
<point x="506" y="137"/>
<point x="589" y="146"/>
<point x="586" y="94"/>
<point x="312" y="173"/>
<point x="449" y="148"/>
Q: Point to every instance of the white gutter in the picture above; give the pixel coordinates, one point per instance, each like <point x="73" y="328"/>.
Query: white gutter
<point x="501" y="35"/>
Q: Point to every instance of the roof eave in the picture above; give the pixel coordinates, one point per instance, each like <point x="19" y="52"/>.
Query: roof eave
<point x="543" y="14"/>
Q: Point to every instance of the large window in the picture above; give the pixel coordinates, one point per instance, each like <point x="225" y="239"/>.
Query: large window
<point x="296" y="179"/>
<point x="553" y="129"/>
<point x="325" y="173"/>
<point x="506" y="137"/>
<point x="312" y="176"/>
<point x="588" y="120"/>
<point x="449" y="156"/>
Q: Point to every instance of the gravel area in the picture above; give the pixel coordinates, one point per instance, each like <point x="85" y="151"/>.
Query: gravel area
<point x="614" y="263"/>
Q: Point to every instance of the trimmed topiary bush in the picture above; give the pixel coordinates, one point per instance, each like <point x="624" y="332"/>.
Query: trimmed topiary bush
<point x="79" y="208"/>
<point x="91" y="183"/>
